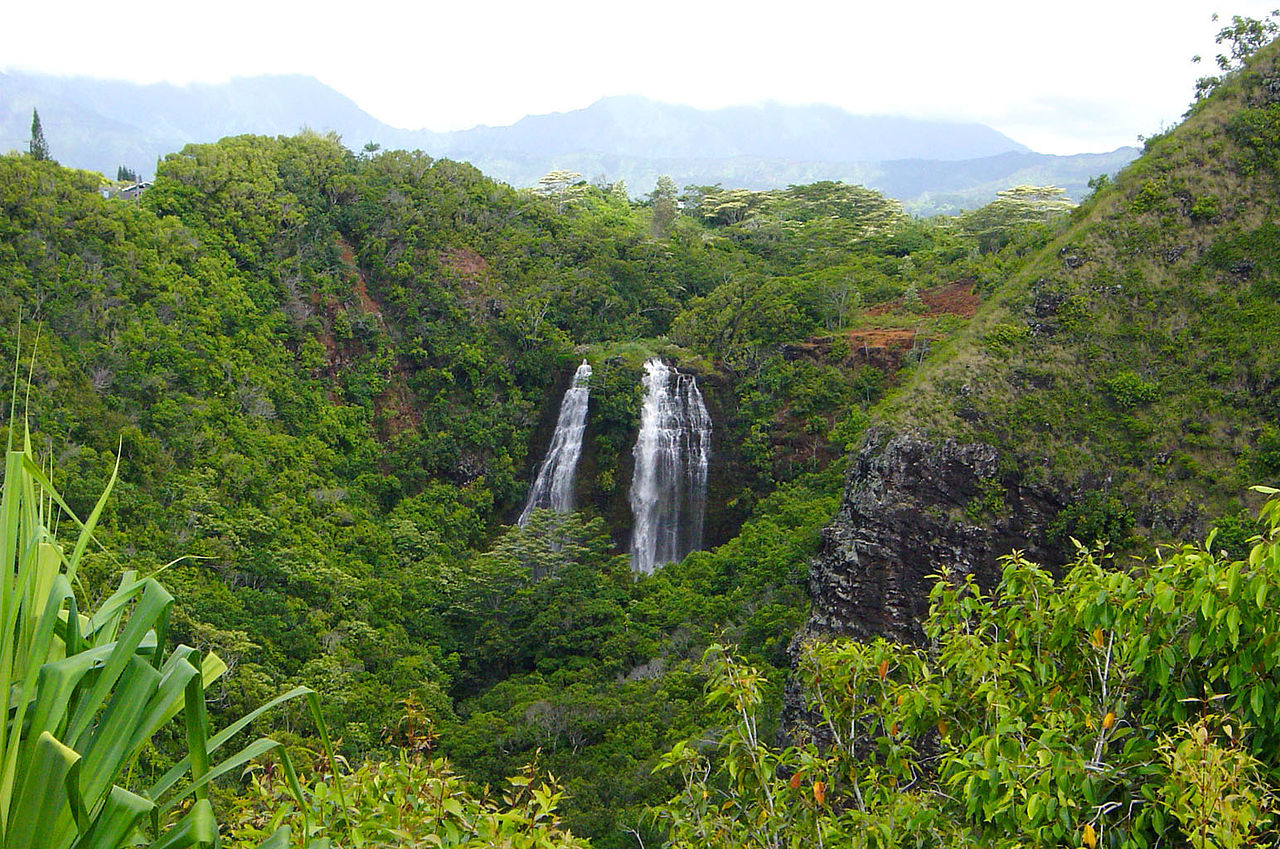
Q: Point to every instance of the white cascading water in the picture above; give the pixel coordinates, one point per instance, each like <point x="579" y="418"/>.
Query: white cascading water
<point x="553" y="486"/>
<point x="672" y="454"/>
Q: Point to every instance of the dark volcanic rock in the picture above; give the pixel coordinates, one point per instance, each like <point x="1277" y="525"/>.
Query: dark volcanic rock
<point x="904" y="519"/>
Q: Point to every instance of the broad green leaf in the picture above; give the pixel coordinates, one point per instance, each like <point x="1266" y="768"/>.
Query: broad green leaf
<point x="174" y="775"/>
<point x="197" y="828"/>
<point x="115" y="822"/>
<point x="279" y="839"/>
<point x="41" y="812"/>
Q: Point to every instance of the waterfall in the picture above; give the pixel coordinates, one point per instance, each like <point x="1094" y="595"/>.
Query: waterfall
<point x="553" y="486"/>
<point x="673" y="451"/>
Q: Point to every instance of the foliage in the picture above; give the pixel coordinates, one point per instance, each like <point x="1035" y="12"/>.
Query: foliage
<point x="1096" y="517"/>
<point x="85" y="693"/>
<point x="1014" y="211"/>
<point x="1213" y="789"/>
<point x="1114" y="707"/>
<point x="38" y="148"/>
<point x="327" y="370"/>
<point x="408" y="802"/>
<point x="663" y="202"/>
<point x="1243" y="37"/>
<point x="1128" y="389"/>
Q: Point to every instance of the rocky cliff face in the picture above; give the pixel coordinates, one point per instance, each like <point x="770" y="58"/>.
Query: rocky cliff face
<point x="913" y="507"/>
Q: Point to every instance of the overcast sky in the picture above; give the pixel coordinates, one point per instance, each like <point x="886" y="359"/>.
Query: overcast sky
<point x="1062" y="77"/>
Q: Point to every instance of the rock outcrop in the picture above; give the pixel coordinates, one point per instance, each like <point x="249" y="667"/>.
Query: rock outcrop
<point x="913" y="507"/>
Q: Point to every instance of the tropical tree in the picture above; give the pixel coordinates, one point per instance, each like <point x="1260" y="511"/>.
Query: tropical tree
<point x="663" y="200"/>
<point x="38" y="147"/>
<point x="1013" y="212"/>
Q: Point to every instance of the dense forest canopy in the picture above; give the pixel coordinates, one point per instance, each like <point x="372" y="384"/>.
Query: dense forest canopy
<point x="325" y="373"/>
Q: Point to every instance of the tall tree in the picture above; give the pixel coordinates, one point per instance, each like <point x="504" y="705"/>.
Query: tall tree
<point x="663" y="200"/>
<point x="38" y="148"/>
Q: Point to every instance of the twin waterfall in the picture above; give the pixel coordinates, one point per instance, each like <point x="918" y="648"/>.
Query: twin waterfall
<point x="672" y="458"/>
<point x="673" y="451"/>
<point x="553" y="487"/>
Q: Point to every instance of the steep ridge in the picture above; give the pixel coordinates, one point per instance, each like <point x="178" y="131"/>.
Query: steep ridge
<point x="1123" y="382"/>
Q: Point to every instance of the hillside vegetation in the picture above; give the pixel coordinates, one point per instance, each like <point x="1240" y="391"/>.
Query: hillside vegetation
<point x="1133" y="354"/>
<point x="325" y="374"/>
<point x="328" y="377"/>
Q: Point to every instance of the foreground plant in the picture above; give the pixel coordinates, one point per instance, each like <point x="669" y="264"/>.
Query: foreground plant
<point x="1112" y="707"/>
<point x="82" y="694"/>
<point x="411" y="801"/>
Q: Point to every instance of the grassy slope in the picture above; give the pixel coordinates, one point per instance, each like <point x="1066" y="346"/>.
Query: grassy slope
<point x="1150" y="367"/>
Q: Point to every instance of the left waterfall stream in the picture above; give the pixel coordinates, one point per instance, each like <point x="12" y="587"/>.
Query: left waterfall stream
<point x="553" y="486"/>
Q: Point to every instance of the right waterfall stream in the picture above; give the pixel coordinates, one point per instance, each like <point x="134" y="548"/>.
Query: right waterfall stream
<point x="672" y="457"/>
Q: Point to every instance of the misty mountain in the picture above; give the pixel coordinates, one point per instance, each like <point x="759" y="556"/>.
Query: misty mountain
<point x="935" y="166"/>
<point x="100" y="124"/>
<point x="637" y="127"/>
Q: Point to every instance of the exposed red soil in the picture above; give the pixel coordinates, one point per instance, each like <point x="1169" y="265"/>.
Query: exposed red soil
<point x="889" y="338"/>
<point x="465" y="262"/>
<point x="885" y="347"/>
<point x="958" y="298"/>
<point x="356" y="279"/>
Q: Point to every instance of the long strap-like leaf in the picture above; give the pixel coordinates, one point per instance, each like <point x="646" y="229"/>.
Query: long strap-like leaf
<point x="86" y="527"/>
<point x="10" y="538"/>
<point x="174" y="775"/>
<point x="117" y="819"/>
<point x="151" y="605"/>
<point x="256" y="749"/>
<point x="108" y="750"/>
<point x="12" y="735"/>
<point x="41" y="801"/>
<point x="197" y="828"/>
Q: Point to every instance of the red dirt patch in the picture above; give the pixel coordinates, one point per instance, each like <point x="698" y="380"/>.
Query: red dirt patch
<point x="356" y="279"/>
<point x="465" y="262"/>
<point x="395" y="409"/>
<point x="888" y="338"/>
<point x="958" y="298"/>
<point x="367" y="303"/>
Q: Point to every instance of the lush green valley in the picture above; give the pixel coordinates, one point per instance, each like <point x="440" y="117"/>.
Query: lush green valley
<point x="325" y="373"/>
<point x="328" y="378"/>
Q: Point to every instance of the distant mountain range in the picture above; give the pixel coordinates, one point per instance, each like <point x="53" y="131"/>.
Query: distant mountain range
<point x="933" y="166"/>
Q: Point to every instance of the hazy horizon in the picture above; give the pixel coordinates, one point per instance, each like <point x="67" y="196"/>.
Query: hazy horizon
<point x="1089" y="80"/>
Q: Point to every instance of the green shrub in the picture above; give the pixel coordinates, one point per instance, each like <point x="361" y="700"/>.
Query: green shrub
<point x="1001" y="338"/>
<point x="1150" y="196"/>
<point x="1128" y="390"/>
<point x="1096" y="517"/>
<point x="989" y="503"/>
<point x="1233" y="534"/>
<point x="1205" y="208"/>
